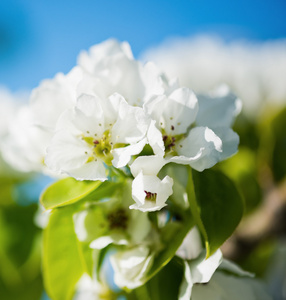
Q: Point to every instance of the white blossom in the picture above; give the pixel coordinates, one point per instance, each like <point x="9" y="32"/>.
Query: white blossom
<point x="109" y="67"/>
<point x="170" y="133"/>
<point x="112" y="222"/>
<point x="10" y="106"/>
<point x="131" y="266"/>
<point x="25" y="145"/>
<point x="53" y="96"/>
<point x="97" y="132"/>
<point x="150" y="193"/>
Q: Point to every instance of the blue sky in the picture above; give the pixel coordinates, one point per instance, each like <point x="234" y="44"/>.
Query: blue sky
<point x="39" y="38"/>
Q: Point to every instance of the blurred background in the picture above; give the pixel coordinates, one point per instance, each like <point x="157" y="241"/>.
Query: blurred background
<point x="204" y="43"/>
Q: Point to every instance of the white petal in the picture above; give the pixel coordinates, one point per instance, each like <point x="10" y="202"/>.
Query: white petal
<point x="121" y="156"/>
<point x="186" y="286"/>
<point x="94" y="170"/>
<point x="69" y="154"/>
<point x="86" y="118"/>
<point x="149" y="165"/>
<point x="201" y="149"/>
<point x="230" y="141"/>
<point x="203" y="269"/>
<point x="131" y="125"/>
<point x="182" y="111"/>
<point x="104" y="241"/>
<point x="175" y="113"/>
<point x="191" y="246"/>
<point x="99" y="53"/>
<point x="131" y="266"/>
<point x="199" y="270"/>
<point x="218" y="108"/>
<point x="111" y="107"/>
<point x="54" y="96"/>
<point x="138" y="193"/>
<point x="152" y="79"/>
<point x="155" y="139"/>
<point x="66" y="152"/>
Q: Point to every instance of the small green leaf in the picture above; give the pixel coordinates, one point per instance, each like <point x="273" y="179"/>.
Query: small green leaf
<point x="63" y="263"/>
<point x="216" y="205"/>
<point x="67" y="191"/>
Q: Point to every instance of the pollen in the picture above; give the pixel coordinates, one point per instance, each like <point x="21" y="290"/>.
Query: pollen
<point x="150" y="196"/>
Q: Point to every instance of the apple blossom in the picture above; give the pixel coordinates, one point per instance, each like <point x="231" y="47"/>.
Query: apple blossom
<point x="25" y="145"/>
<point x="149" y="192"/>
<point x="112" y="222"/>
<point x="131" y="266"/>
<point x="110" y="67"/>
<point x="96" y="133"/>
<point x="53" y="97"/>
<point x="172" y="133"/>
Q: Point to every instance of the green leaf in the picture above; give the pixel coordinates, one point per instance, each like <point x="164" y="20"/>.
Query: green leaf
<point x="67" y="191"/>
<point x="63" y="262"/>
<point x="216" y="205"/>
<point x="170" y="277"/>
<point x="107" y="189"/>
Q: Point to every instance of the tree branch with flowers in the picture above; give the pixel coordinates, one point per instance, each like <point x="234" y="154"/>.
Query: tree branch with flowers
<point x="134" y="199"/>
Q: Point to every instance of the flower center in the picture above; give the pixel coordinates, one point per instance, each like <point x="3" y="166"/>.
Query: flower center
<point x="118" y="219"/>
<point x="101" y="147"/>
<point x="150" y="196"/>
<point x="170" y="141"/>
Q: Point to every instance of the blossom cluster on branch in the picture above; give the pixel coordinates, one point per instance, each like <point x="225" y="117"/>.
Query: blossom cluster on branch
<point x="129" y="147"/>
<point x="110" y="111"/>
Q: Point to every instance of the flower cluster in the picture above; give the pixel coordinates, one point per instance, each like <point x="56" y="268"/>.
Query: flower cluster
<point x="124" y="125"/>
<point x="112" y="112"/>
